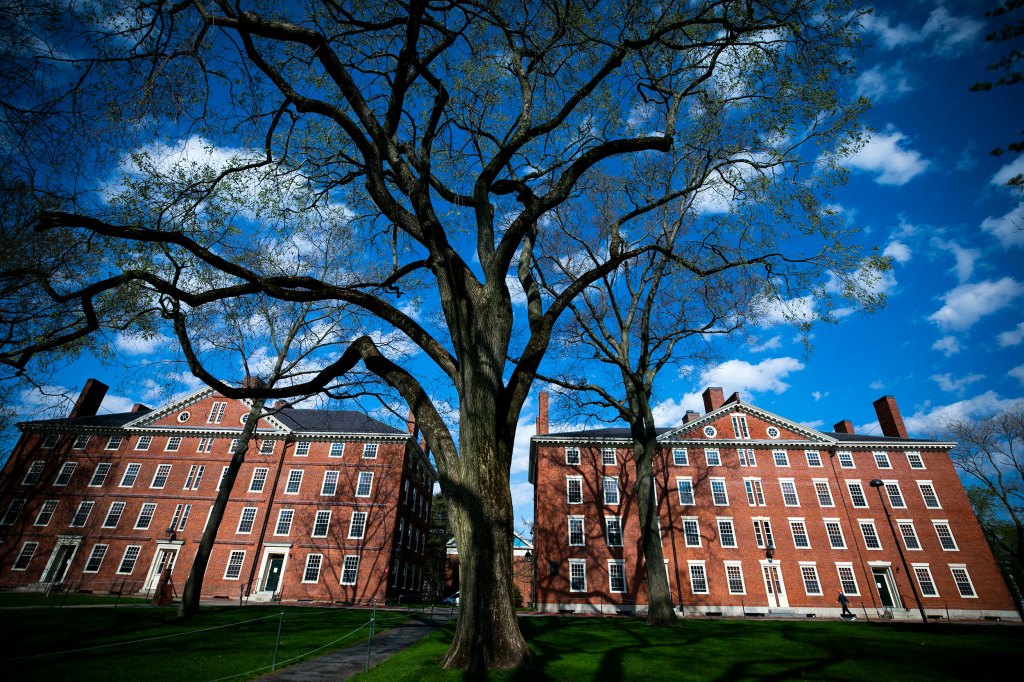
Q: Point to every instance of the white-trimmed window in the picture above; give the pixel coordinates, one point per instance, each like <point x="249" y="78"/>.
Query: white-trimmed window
<point x="337" y="450"/>
<point x="131" y="472"/>
<point x="205" y="445"/>
<point x="915" y="461"/>
<point x="234" y="567"/>
<point x="781" y="458"/>
<point x="284" y="522"/>
<point x="223" y="475"/>
<point x="945" y="535"/>
<point x="846" y="460"/>
<point x="892" y="489"/>
<point x="870" y="533"/>
<point x="813" y="458"/>
<point x="173" y="444"/>
<point x="574" y="489"/>
<point x="186" y="510"/>
<point x="789" y="496"/>
<point x="113" y="516"/>
<point x="195" y="475"/>
<point x="357" y="526"/>
<point x="608" y="457"/>
<point x="370" y="451"/>
<point x="28" y="550"/>
<point x="691" y="531"/>
<point x="81" y="440"/>
<point x="739" y="426"/>
<point x="616" y="575"/>
<point x="680" y="457"/>
<point x="178" y="509"/>
<point x="909" y="534"/>
<point x="35" y="471"/>
<point x="330" y="483"/>
<point x="235" y="446"/>
<point x="113" y="442"/>
<point x="719" y="495"/>
<point x="143" y="443"/>
<point x="734" y="577"/>
<point x="698" y="577"/>
<point x="962" y="580"/>
<point x="95" y="560"/>
<point x="882" y="460"/>
<point x="321" y="523"/>
<point x="746" y="457"/>
<point x="64" y="475"/>
<point x="365" y="484"/>
<point x="302" y="448"/>
<point x="46" y="513"/>
<point x="857" y="498"/>
<point x="13" y="512"/>
<point x="577" y="575"/>
<point x="931" y="500"/>
<point x="613" y="531"/>
<point x="311" y="573"/>
<point x="259" y="479"/>
<point x="824" y="493"/>
<point x="49" y="441"/>
<point x="145" y="516"/>
<point x="576" y="537"/>
<point x="799" y="530"/>
<point x="834" y="530"/>
<point x="99" y="475"/>
<point x="350" y="569"/>
<point x="217" y="410"/>
<point x="809" y="573"/>
<point x="755" y="494"/>
<point x="82" y="513"/>
<point x="847" y="579"/>
<point x="160" y="477"/>
<point x="685" y="488"/>
<point x="726" y="533"/>
<point x="713" y="457"/>
<point x="128" y="559"/>
<point x="294" y="483"/>
<point x="763" y="533"/>
<point x="924" y="580"/>
<point x="572" y="456"/>
<point x="267" y="447"/>
<point x="246" y="521"/>
<point x="610" y="486"/>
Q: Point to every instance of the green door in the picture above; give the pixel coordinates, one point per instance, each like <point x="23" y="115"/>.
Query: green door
<point x="274" y="573"/>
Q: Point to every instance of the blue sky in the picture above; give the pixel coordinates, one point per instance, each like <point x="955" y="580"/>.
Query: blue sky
<point x="924" y="190"/>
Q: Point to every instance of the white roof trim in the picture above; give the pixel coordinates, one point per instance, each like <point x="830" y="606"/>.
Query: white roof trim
<point x="147" y="419"/>
<point x="815" y="437"/>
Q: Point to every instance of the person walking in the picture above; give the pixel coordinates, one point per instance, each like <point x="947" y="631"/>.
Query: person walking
<point x="845" y="603"/>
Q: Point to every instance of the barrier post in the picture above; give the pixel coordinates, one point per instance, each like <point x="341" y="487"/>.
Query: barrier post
<point x="369" y="640"/>
<point x="277" y="644"/>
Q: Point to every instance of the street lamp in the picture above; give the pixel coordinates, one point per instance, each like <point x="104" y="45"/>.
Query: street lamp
<point x="877" y="485"/>
<point x="769" y="553"/>
<point x="532" y="559"/>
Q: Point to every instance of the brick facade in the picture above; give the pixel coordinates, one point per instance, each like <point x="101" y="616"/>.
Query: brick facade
<point x="757" y="479"/>
<point x="329" y="506"/>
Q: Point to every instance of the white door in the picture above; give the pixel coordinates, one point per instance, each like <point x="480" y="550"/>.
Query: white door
<point x="164" y="559"/>
<point x="774" y="586"/>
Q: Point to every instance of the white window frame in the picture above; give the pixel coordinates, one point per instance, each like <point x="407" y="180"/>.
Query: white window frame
<point x="246" y="521"/>
<point x="915" y="460"/>
<point x="146" y="512"/>
<point x="921" y="485"/>
<point x="337" y="449"/>
<point x="366" y="476"/>
<point x="782" y="489"/>
<point x="143" y="443"/>
<point x="98" y="559"/>
<point x="813" y="459"/>
<point x="285" y="518"/>
<point x="357" y="525"/>
<point x="846" y="460"/>
<point x="959" y="581"/>
<point x="267" y="446"/>
<point x="25" y="555"/>
<point x="847" y="578"/>
<point x="162" y="474"/>
<point x="869" y="523"/>
<point x="694" y="523"/>
<point x="833" y="536"/>
<point x="575" y="527"/>
<point x="860" y="490"/>
<point x="217" y="410"/>
<point x="329" y="486"/>
<point x="129" y="557"/>
<point x="802" y="523"/>
<point x="322" y="517"/>
<point x="809" y="571"/>
<point x="577" y="566"/>
<point x="257" y="478"/>
<point x="893" y="485"/>
<point x="680" y="457"/>
<point x="370" y="450"/>
<point x="755" y="492"/>
<point x="823" y="494"/>
<point x="936" y="524"/>
<point x="882" y="460"/>
<point x="113" y="442"/>
<point x="737" y="568"/>
<point x="81" y="440"/>
<point x="681" y="482"/>
<point x="67" y="470"/>
<point x="569" y="481"/>
<point x="609" y="457"/>
<point x="233" y="567"/>
<point x="746" y="457"/>
<point x="34" y="472"/>
<point x="780" y="458"/>
<point x="697" y="571"/>
<point x="610" y="493"/>
<point x="726" y="528"/>
<point x="314" y="562"/>
<point x="572" y="456"/>
<point x="173" y="444"/>
<point x="904" y="525"/>
<point x="609" y="522"/>
<point x="713" y="457"/>
<point x="719" y="496"/>
<point x="82" y="514"/>
<point x="48" y="508"/>
<point x="920" y="571"/>
<point x="617" y="566"/>
<point x="739" y="426"/>
<point x="350" y="566"/>
<point x="293" y="484"/>
<point x="101" y="472"/>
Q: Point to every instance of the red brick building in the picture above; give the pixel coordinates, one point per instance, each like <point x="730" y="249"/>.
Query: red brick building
<point x="760" y="515"/>
<point x="329" y="506"/>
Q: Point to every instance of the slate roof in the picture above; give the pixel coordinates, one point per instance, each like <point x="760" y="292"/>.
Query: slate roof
<point x="860" y="438"/>
<point x="100" y="420"/>
<point x="597" y="434"/>
<point x="333" y="421"/>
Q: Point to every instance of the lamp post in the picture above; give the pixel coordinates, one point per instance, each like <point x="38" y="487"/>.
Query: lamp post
<point x="532" y="559"/>
<point x="877" y="485"/>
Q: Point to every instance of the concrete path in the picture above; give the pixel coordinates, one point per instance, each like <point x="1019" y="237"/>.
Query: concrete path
<point x="345" y="663"/>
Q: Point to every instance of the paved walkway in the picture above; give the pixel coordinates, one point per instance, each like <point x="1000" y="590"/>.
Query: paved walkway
<point x="345" y="663"/>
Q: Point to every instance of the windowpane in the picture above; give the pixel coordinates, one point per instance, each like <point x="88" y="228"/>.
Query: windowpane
<point x="234" y="568"/>
<point x="781" y="458"/>
<point x="835" y="535"/>
<point x="131" y="555"/>
<point x="698" y="578"/>
<point x="608" y="457"/>
<point x="330" y="484"/>
<point x="800" y="539"/>
<point x="734" y="576"/>
<point x="575" y="531"/>
<point x="685" y="487"/>
<point x="691" y="533"/>
<point x="246" y="520"/>
<point x="160" y="478"/>
<point x="321" y="523"/>
<point x="857" y="494"/>
<point x="925" y="582"/>
<point x="34" y="472"/>
<point x="28" y="550"/>
<point x="680" y="457"/>
<point x="311" y="573"/>
<point x="82" y="514"/>
<point x="718" y="493"/>
<point x="145" y="516"/>
<point x="616" y="576"/>
<point x="64" y="476"/>
<point x="92" y="565"/>
<point x="294" y="482"/>
<point x="846" y="460"/>
<point x="824" y="493"/>
<point x="811" y="584"/>
<point x="284" y="522"/>
<point x="813" y="458"/>
<point x="789" y="497"/>
<point x="882" y="460"/>
<point x="46" y="513"/>
<point x="945" y="534"/>
<point x="909" y="535"/>
<point x="350" y="569"/>
<point x="611" y="490"/>
<point x="963" y="581"/>
<point x="847" y="580"/>
<point x="577" y="575"/>
<point x="871" y="541"/>
<point x="259" y="479"/>
<point x="572" y="456"/>
<point x="613" y="529"/>
<point x="726" y="533"/>
<point x="357" y="526"/>
<point x="337" y="450"/>
<point x="365" y="484"/>
<point x="713" y="458"/>
<point x="931" y="500"/>
<point x="895" y="496"/>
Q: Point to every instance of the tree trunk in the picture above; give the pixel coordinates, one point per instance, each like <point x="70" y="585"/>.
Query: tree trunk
<point x="659" y="596"/>
<point x="194" y="585"/>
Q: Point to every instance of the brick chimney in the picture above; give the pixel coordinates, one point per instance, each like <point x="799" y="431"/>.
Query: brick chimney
<point x="889" y="417"/>
<point x="542" y="413"/>
<point x="88" y="403"/>
<point x="714" y="397"/>
<point x="690" y="416"/>
<point x="253" y="382"/>
<point x="734" y="398"/>
<point x="410" y="425"/>
<point x="280" y="404"/>
<point x="845" y="426"/>
<point x="139" y="407"/>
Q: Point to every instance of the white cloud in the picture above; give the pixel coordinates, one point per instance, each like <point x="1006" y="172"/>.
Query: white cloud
<point x="933" y="419"/>
<point x="758" y="346"/>
<point x="949" y="384"/>
<point x="173" y="386"/>
<point x="948" y="34"/>
<point x="113" y="404"/>
<point x="1012" y="337"/>
<point x="1010" y="170"/>
<point x="968" y="303"/>
<point x="739" y="375"/>
<point x="885" y="156"/>
<point x="879" y="84"/>
<point x="1008" y="229"/>
<point x="818" y="395"/>
<point x="525" y="430"/>
<point x="898" y="251"/>
<point x="1017" y="373"/>
<point x="670" y="412"/>
<point x="965" y="258"/>
<point x="793" y="311"/>
<point x="948" y="345"/>
<point x="140" y="344"/>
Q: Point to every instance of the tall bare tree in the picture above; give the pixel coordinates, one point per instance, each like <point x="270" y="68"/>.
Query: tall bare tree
<point x="464" y="149"/>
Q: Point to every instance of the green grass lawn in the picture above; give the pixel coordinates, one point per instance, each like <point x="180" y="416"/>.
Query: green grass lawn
<point x="63" y="599"/>
<point x="68" y="644"/>
<point x="571" y="649"/>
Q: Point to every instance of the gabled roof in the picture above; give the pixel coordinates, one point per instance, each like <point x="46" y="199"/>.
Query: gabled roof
<point x="334" y="421"/>
<point x="98" y="421"/>
<point x="149" y="419"/>
<point x="682" y="432"/>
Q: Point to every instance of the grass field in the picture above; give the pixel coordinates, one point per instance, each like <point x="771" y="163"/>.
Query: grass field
<point x="577" y="649"/>
<point x="61" y="599"/>
<point x="146" y="643"/>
